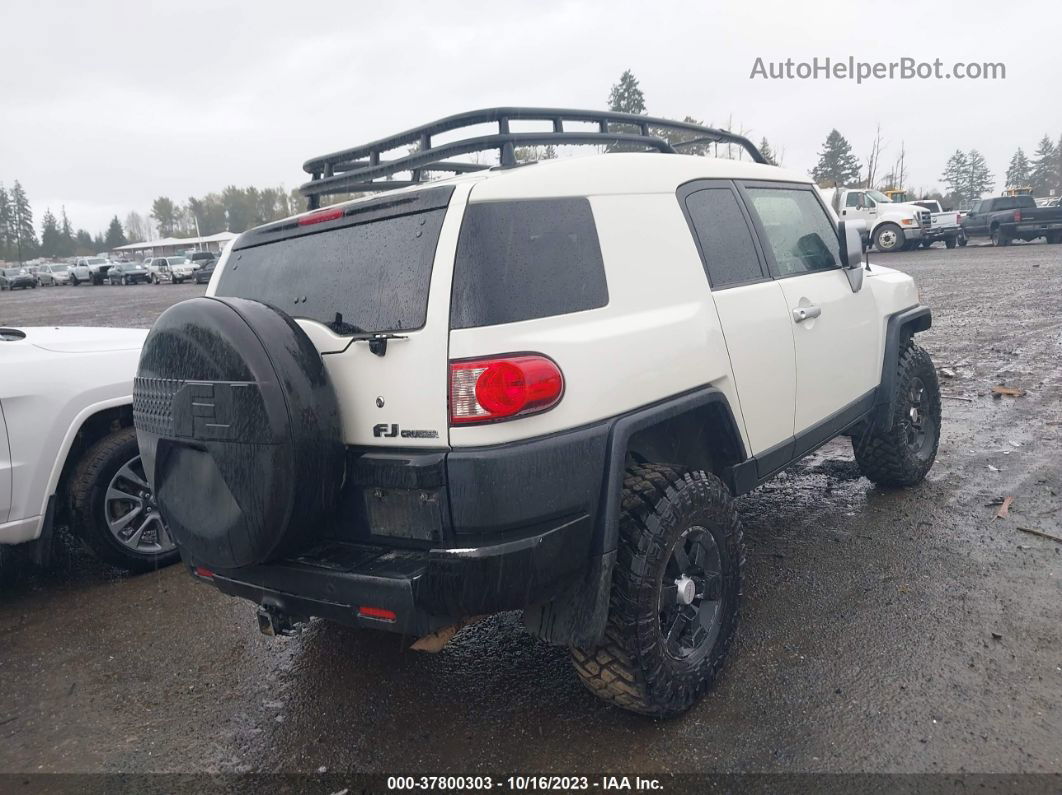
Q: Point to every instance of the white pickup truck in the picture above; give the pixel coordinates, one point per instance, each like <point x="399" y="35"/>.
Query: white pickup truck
<point x="893" y="226"/>
<point x="944" y="225"/>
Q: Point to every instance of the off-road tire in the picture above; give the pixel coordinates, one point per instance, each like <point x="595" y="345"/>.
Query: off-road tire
<point x="86" y="493"/>
<point x="887" y="457"/>
<point x="881" y="231"/>
<point x="999" y="238"/>
<point x="632" y="668"/>
<point x="950" y="242"/>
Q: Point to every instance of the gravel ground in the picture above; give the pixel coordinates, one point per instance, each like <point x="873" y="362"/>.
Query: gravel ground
<point x="899" y="631"/>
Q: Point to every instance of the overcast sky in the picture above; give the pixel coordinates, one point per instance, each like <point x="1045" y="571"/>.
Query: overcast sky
<point x="106" y="105"/>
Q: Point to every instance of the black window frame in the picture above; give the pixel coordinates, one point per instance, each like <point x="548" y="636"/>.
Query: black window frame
<point x="686" y="190"/>
<point x="761" y="233"/>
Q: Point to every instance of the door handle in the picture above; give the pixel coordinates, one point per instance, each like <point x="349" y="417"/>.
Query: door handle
<point x="802" y="313"/>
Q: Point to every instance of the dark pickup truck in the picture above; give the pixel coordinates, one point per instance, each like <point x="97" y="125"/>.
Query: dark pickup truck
<point x="1007" y="218"/>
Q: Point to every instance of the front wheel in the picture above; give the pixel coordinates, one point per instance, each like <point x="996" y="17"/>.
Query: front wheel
<point x="888" y="238"/>
<point x="676" y="590"/>
<point x="114" y="509"/>
<point x="903" y="455"/>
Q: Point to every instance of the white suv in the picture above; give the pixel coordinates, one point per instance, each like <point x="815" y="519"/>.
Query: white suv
<point x="68" y="452"/>
<point x="533" y="387"/>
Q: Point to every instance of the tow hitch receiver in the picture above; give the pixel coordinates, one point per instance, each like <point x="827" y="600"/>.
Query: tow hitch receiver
<point x="272" y="621"/>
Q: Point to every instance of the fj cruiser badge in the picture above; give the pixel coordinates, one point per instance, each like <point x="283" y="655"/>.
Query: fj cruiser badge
<point x="392" y="430"/>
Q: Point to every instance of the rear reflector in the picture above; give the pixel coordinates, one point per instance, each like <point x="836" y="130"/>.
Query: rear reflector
<point x="503" y="387"/>
<point x="377" y="612"/>
<point x="204" y="572"/>
<point x="320" y="217"/>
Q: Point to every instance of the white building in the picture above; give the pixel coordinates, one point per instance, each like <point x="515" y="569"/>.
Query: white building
<point x="175" y="245"/>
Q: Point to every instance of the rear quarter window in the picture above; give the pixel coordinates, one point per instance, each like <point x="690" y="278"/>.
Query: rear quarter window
<point x="526" y="259"/>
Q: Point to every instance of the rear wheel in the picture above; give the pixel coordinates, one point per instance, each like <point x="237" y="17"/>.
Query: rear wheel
<point x="1055" y="237"/>
<point x="888" y="238"/>
<point x="1000" y="238"/>
<point x="676" y="590"/>
<point x="114" y="509"/>
<point x="904" y="454"/>
<point x="950" y="242"/>
<point x="963" y="240"/>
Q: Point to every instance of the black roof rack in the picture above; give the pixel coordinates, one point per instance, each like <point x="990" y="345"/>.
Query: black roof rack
<point x="362" y="169"/>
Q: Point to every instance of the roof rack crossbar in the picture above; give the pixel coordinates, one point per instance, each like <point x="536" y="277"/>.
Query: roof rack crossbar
<point x="363" y="169"/>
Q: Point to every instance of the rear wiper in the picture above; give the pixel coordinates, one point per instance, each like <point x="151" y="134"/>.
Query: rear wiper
<point x="377" y="339"/>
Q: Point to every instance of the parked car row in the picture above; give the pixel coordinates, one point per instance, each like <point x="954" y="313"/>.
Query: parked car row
<point x="174" y="269"/>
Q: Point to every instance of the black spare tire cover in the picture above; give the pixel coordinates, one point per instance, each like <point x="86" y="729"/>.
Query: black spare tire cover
<point x="239" y="431"/>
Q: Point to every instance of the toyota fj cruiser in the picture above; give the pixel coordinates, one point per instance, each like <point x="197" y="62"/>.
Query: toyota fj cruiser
<point x="533" y="387"/>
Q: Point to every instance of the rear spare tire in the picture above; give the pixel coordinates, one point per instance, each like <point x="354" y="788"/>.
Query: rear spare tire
<point x="239" y="431"/>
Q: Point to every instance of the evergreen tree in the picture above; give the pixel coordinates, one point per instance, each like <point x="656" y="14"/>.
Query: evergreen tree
<point x="115" y="235"/>
<point x="1043" y="178"/>
<point x="6" y="224"/>
<point x="626" y="96"/>
<point x="837" y="165"/>
<point x="25" y="234"/>
<point x="98" y="243"/>
<point x="83" y="244"/>
<point x="66" y="235"/>
<point x="1018" y="171"/>
<point x="165" y="214"/>
<point x="51" y="237"/>
<point x="979" y="179"/>
<point x="767" y="152"/>
<point x="954" y="175"/>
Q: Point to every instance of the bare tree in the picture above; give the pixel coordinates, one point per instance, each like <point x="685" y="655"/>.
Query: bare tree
<point x="874" y="159"/>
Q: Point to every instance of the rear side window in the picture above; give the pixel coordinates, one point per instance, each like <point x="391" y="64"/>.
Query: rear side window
<point x="368" y="277"/>
<point x="726" y="243"/>
<point x="520" y="260"/>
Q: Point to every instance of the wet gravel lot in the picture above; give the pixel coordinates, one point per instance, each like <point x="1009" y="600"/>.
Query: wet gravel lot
<point x="903" y="631"/>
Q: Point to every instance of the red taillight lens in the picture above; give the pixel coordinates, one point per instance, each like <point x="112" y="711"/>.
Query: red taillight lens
<point x="1017" y="216"/>
<point x="378" y="612"/>
<point x="204" y="572"/>
<point x="331" y="214"/>
<point x="503" y="387"/>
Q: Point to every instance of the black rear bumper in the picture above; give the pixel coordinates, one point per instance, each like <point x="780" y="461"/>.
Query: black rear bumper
<point x="435" y="536"/>
<point x="414" y="592"/>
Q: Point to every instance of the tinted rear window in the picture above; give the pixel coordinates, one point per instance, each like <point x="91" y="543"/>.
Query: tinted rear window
<point x="367" y="277"/>
<point x="520" y="260"/>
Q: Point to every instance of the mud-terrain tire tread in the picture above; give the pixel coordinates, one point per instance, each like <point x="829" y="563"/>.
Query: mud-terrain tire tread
<point x="623" y="670"/>
<point x="83" y="491"/>
<point x="883" y="457"/>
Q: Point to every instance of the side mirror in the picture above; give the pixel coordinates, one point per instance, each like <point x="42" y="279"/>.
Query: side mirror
<point x="851" y="236"/>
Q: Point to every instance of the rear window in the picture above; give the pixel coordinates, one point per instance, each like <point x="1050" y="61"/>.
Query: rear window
<point x="366" y="277"/>
<point x="527" y="259"/>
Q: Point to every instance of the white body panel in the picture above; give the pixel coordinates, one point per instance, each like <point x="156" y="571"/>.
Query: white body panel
<point x="658" y="336"/>
<point x="833" y="362"/>
<point x="50" y="384"/>
<point x="5" y="470"/>
<point x="759" y="339"/>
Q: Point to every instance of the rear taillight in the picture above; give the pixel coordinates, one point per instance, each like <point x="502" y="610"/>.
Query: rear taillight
<point x="203" y="572"/>
<point x="503" y="387"/>
<point x="1017" y="216"/>
<point x="321" y="216"/>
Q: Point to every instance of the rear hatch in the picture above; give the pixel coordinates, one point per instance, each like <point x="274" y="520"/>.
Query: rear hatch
<point x="369" y="283"/>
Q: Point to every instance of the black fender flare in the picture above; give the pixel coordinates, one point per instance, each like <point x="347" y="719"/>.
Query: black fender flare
<point x="899" y="328"/>
<point x="625" y="427"/>
<point x="577" y="616"/>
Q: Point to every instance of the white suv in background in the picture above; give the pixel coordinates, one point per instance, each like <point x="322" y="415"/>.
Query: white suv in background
<point x="175" y="269"/>
<point x="68" y="452"/>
